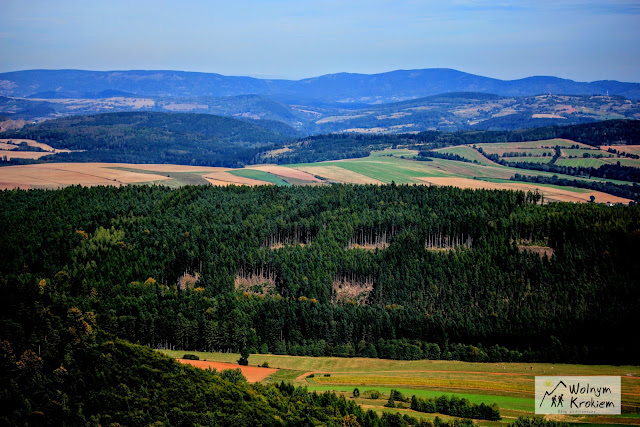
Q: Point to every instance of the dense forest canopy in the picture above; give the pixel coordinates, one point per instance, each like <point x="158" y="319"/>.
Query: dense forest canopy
<point x="189" y="139"/>
<point x="403" y="272"/>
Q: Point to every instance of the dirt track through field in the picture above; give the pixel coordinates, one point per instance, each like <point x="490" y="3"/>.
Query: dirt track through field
<point x="252" y="373"/>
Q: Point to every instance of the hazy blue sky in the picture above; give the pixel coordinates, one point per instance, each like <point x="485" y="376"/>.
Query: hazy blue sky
<point x="579" y="39"/>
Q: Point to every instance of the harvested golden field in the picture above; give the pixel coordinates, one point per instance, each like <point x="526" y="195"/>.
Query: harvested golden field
<point x="631" y="149"/>
<point x="57" y="175"/>
<point x="285" y="172"/>
<point x="170" y="168"/>
<point x="103" y="104"/>
<point x="6" y="146"/>
<point x="12" y="124"/>
<point x="9" y="148"/>
<point x="547" y="116"/>
<point x="547" y="143"/>
<point x="332" y="119"/>
<point x="15" y="154"/>
<point x="277" y="152"/>
<point x="253" y="374"/>
<point x="338" y="174"/>
<point x="553" y="193"/>
<point x="184" y="107"/>
<point x="227" y="178"/>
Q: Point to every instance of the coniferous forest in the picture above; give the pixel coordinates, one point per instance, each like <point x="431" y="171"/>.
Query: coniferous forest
<point x="399" y="272"/>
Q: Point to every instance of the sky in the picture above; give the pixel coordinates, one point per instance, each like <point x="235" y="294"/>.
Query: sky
<point x="583" y="40"/>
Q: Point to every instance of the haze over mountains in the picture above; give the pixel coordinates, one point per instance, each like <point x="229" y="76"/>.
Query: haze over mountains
<point x="394" y="102"/>
<point x="341" y="88"/>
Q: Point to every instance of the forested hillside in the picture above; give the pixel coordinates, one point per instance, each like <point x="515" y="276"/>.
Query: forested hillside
<point x="394" y="271"/>
<point x="187" y="139"/>
<point x="207" y="140"/>
<point x="58" y="368"/>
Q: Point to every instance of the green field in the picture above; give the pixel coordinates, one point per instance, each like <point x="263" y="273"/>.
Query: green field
<point x="547" y="143"/>
<point x="177" y="179"/>
<point x="510" y="385"/>
<point x="529" y="159"/>
<point x="522" y="152"/>
<point x="260" y="175"/>
<point x="578" y="152"/>
<point x="395" y="152"/>
<point x="581" y="162"/>
<point x="632" y="163"/>
<point x="406" y="171"/>
<point x="468" y="153"/>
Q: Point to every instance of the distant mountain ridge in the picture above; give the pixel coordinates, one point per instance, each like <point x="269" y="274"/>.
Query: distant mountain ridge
<point x="341" y="88"/>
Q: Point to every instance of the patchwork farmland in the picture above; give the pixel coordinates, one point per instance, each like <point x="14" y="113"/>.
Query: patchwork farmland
<point x="509" y="385"/>
<point x="381" y="167"/>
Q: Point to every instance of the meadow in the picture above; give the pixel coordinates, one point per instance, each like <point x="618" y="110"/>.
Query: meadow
<point x="509" y="385"/>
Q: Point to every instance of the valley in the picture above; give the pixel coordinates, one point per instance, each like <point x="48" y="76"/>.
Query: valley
<point x="446" y="112"/>
<point x="366" y="253"/>
<point x="510" y="385"/>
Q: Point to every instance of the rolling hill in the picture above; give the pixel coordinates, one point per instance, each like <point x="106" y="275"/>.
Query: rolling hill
<point x="150" y="137"/>
<point x="451" y="111"/>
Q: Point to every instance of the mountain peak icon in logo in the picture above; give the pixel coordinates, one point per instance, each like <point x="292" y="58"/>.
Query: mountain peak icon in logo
<point x="546" y="393"/>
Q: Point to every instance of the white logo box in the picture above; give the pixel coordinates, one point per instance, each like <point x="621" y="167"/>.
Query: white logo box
<point x="579" y="395"/>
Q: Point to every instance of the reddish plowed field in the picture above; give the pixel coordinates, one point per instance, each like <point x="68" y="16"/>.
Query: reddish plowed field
<point x="252" y="373"/>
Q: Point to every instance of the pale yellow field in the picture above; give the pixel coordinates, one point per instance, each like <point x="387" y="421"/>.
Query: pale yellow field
<point x="547" y="143"/>
<point x="547" y="116"/>
<point x="631" y="149"/>
<point x="167" y="168"/>
<point x="339" y="118"/>
<point x="286" y="172"/>
<point x="278" y="151"/>
<point x="9" y="149"/>
<point x="56" y="175"/>
<point x="184" y="107"/>
<point x="229" y="179"/>
<point x="550" y="193"/>
<point x="337" y="174"/>
<point x="14" y="154"/>
<point x="103" y="103"/>
<point x="217" y="182"/>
